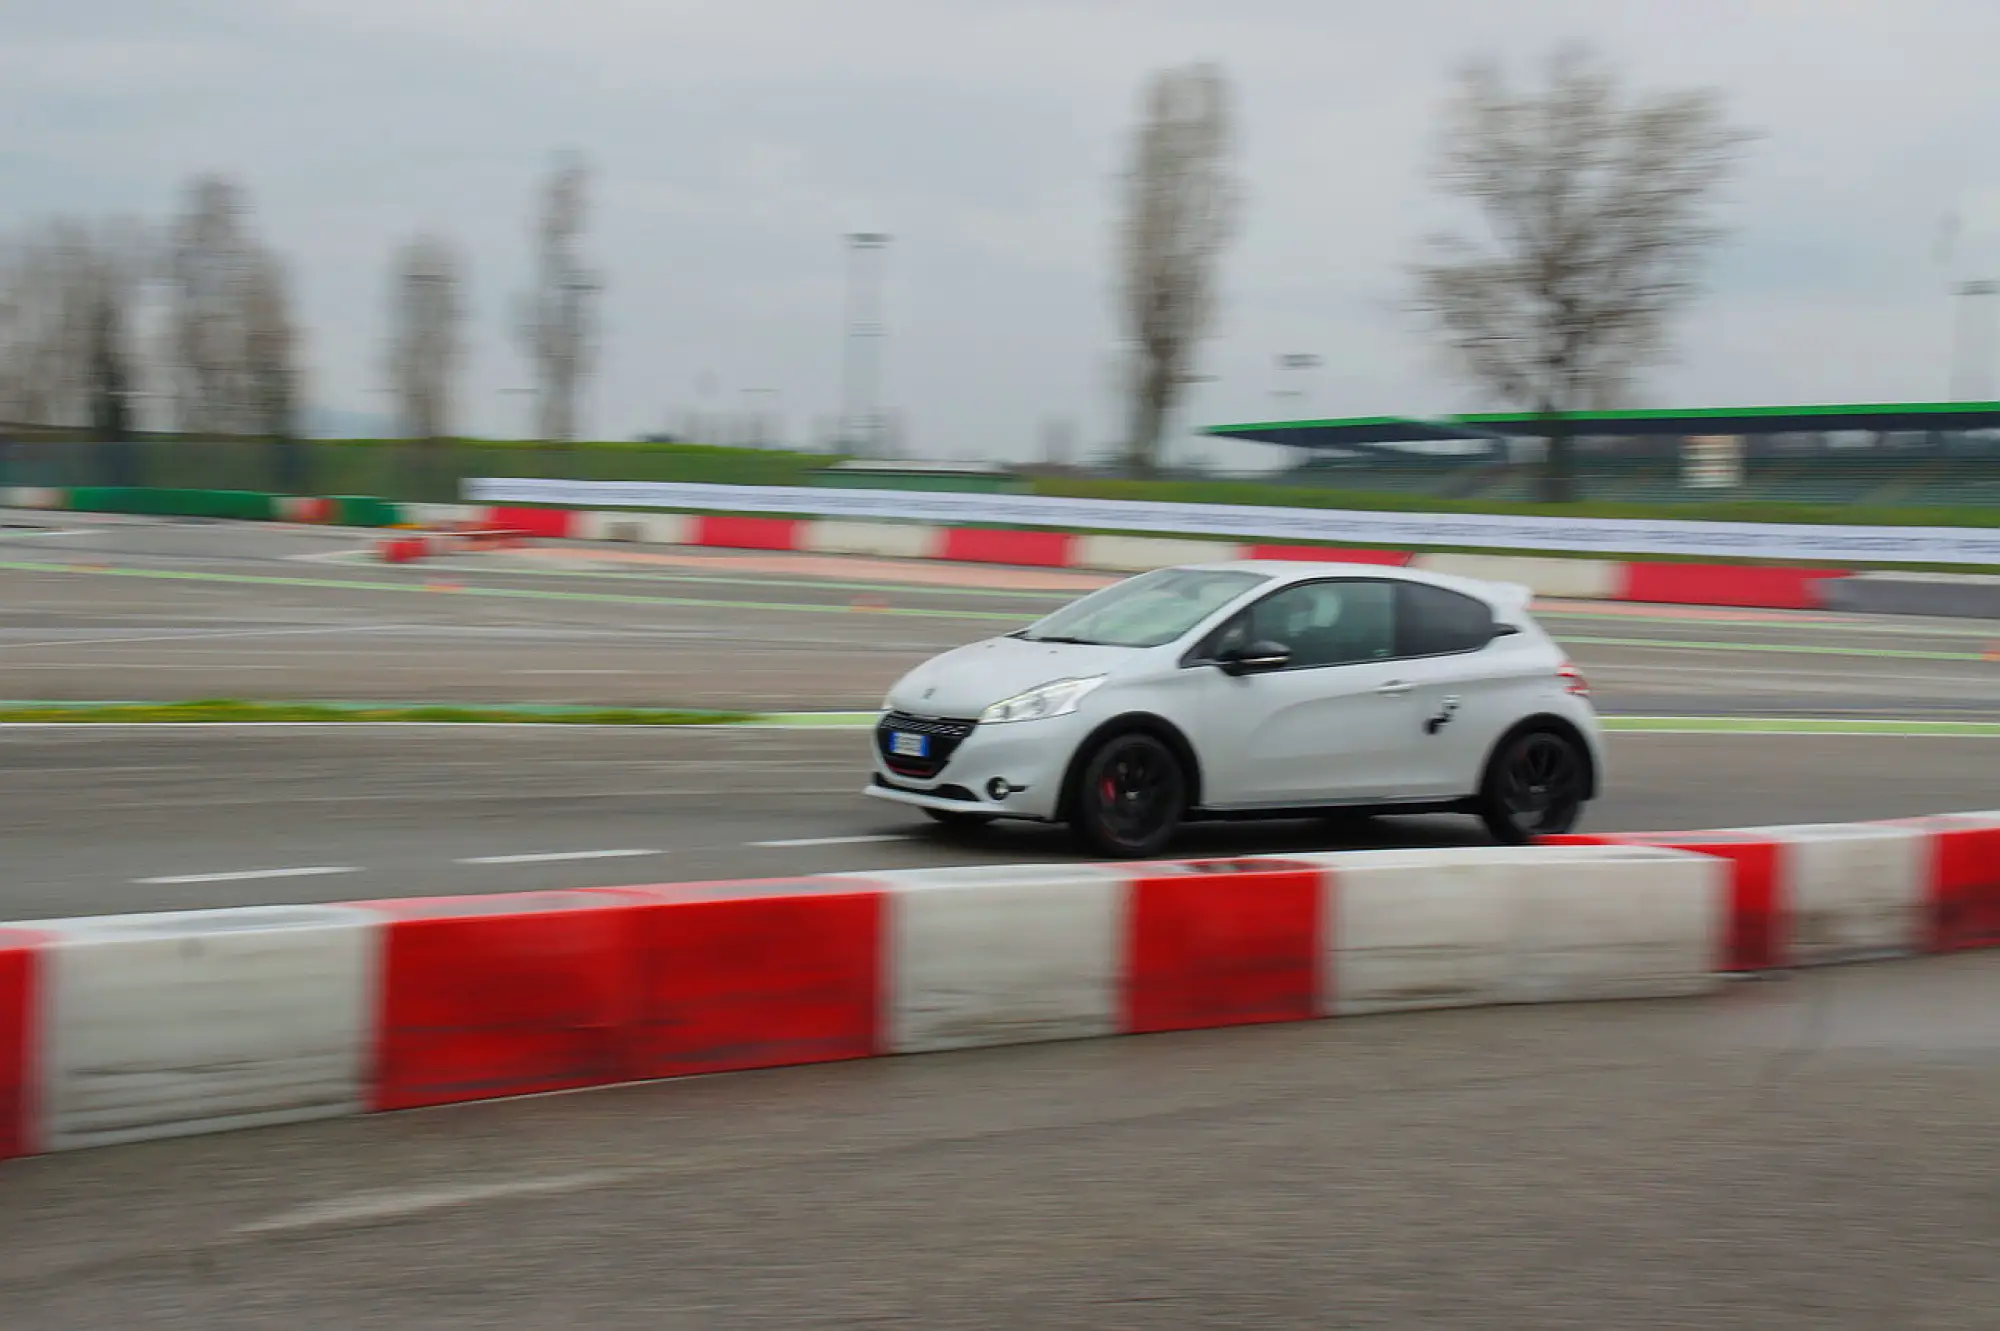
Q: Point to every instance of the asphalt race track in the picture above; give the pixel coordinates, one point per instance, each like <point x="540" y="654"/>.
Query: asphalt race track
<point x="1814" y="1151"/>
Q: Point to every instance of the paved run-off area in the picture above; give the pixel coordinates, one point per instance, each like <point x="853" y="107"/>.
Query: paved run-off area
<point x="1814" y="1152"/>
<point x="136" y="609"/>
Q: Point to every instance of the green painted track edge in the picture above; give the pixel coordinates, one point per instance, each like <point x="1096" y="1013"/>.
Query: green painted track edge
<point x="231" y="712"/>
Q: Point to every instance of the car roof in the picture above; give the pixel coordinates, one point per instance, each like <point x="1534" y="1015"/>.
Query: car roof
<point x="1501" y="595"/>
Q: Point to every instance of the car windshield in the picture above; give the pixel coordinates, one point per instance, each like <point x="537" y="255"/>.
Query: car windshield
<point x="1150" y="610"/>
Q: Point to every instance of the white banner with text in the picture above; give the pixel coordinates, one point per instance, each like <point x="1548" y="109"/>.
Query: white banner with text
<point x="1638" y="536"/>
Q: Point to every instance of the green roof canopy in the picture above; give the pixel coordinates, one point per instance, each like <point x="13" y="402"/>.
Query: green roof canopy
<point x="1894" y="417"/>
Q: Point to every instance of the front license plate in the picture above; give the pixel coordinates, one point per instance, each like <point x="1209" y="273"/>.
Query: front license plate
<point x="909" y="746"/>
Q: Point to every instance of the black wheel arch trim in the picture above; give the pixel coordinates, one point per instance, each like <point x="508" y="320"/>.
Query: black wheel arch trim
<point x="1560" y="725"/>
<point x="1142" y="723"/>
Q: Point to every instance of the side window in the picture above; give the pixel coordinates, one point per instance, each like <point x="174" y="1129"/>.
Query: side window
<point x="1433" y="622"/>
<point x="1323" y="623"/>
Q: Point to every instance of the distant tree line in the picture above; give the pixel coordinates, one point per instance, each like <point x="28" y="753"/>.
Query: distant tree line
<point x="111" y="326"/>
<point x="1589" y="209"/>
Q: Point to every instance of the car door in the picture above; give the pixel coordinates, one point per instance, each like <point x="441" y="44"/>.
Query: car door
<point x="1335" y="725"/>
<point x="1466" y="685"/>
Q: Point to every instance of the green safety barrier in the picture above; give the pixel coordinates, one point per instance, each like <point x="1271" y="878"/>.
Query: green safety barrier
<point x="237" y="505"/>
<point x="232" y="505"/>
<point x="365" y="511"/>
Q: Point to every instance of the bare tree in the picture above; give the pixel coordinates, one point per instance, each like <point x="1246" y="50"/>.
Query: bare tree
<point x="1180" y="209"/>
<point x="110" y="271"/>
<point x="558" y="322"/>
<point x="269" y="354"/>
<point x="425" y="347"/>
<point x="1597" y="213"/>
<point x="40" y="374"/>
<point x="67" y="295"/>
<point x="209" y="268"/>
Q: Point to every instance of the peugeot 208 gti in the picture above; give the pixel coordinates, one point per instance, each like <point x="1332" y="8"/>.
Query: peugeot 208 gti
<point x="1250" y="689"/>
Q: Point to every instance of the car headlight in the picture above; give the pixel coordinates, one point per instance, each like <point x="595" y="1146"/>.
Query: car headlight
<point x="1058" y="698"/>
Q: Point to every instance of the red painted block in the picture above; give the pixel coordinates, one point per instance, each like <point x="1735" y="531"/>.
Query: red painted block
<point x="1026" y="549"/>
<point x="755" y="974"/>
<point x="403" y="550"/>
<point x="1222" y="943"/>
<point x="1321" y="554"/>
<point x="551" y="523"/>
<point x="748" y="533"/>
<point x="484" y="997"/>
<point x="1757" y="906"/>
<point x="1727" y="584"/>
<point x="1965" y="884"/>
<point x="19" y="1042"/>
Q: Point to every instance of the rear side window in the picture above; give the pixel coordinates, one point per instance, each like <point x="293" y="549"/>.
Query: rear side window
<point x="1431" y="621"/>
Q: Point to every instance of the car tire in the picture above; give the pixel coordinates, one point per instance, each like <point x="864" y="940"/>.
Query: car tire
<point x="954" y="821"/>
<point x="1534" y="787"/>
<point x="1131" y="795"/>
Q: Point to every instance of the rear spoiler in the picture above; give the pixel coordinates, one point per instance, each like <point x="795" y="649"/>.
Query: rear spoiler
<point x="1514" y="596"/>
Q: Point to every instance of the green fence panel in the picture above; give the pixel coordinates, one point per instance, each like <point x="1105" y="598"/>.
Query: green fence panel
<point x="235" y="505"/>
<point x="365" y="511"/>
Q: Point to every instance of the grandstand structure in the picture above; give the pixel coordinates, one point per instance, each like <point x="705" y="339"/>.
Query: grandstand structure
<point x="1899" y="454"/>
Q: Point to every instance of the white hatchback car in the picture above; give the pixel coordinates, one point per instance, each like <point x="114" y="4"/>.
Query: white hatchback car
<point x="1250" y="689"/>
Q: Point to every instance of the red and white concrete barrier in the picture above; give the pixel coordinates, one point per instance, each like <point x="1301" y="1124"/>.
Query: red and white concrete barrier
<point x="1819" y="893"/>
<point x="33" y="496"/>
<point x="1581" y="579"/>
<point x="122" y="1028"/>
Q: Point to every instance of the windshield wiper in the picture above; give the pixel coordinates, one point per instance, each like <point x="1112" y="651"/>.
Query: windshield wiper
<point x="1057" y="637"/>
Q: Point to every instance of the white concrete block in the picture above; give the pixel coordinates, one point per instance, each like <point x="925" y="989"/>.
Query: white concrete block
<point x="887" y="540"/>
<point x="170" y="1024"/>
<point x="33" y="496"/>
<point x="1138" y="554"/>
<point x="635" y="528"/>
<point x="1412" y="929"/>
<point x="1852" y="891"/>
<point x="1466" y="927"/>
<point x="1573" y="579"/>
<point x="442" y="515"/>
<point x="1614" y="922"/>
<point x="1004" y="954"/>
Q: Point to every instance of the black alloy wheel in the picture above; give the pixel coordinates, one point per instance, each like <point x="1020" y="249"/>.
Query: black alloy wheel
<point x="1534" y="788"/>
<point x="1131" y="798"/>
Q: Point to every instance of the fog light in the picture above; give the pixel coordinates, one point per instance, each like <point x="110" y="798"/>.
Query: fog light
<point x="999" y="788"/>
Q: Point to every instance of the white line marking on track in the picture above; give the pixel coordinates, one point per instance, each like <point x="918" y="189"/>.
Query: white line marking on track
<point x="834" y="840"/>
<point x="576" y="672"/>
<point x="202" y="635"/>
<point x="549" y="857"/>
<point x="390" y="1205"/>
<point x="243" y="875"/>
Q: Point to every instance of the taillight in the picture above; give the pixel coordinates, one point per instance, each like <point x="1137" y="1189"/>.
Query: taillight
<point x="1573" y="680"/>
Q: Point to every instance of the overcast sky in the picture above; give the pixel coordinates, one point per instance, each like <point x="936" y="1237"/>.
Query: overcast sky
<point x="735" y="141"/>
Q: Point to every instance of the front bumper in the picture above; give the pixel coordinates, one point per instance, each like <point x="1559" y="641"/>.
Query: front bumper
<point x="1031" y="757"/>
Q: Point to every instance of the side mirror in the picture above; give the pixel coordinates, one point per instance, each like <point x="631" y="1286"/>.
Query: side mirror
<point x="1256" y="657"/>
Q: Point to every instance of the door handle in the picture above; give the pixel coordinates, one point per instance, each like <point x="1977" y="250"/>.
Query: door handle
<point x="1395" y="688"/>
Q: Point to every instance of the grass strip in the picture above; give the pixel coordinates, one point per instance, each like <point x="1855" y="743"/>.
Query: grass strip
<point x="237" y="711"/>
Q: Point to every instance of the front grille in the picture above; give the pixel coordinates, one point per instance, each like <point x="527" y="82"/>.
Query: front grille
<point x="944" y="792"/>
<point x="946" y="734"/>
